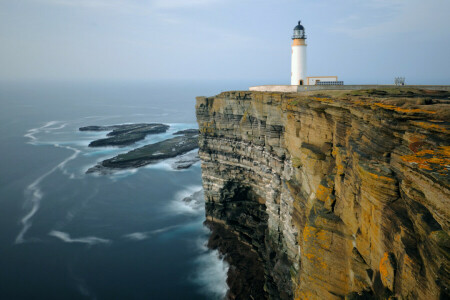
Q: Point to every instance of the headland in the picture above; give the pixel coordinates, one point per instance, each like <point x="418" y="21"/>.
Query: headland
<point x="329" y="194"/>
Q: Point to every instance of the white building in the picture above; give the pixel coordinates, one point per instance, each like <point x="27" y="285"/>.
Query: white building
<point x="298" y="62"/>
<point x="315" y="80"/>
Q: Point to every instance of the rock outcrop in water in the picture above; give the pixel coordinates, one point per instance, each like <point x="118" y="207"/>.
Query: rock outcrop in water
<point x="180" y="147"/>
<point x="329" y="196"/>
<point x="125" y="134"/>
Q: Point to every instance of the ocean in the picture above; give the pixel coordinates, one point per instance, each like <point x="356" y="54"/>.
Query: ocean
<point x="65" y="234"/>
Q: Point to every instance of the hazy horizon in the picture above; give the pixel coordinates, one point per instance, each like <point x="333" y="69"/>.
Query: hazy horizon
<point x="111" y="40"/>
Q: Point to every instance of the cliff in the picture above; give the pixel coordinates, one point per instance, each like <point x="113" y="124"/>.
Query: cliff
<point x="330" y="195"/>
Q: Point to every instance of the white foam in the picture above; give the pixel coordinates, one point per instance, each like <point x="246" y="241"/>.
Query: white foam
<point x="33" y="192"/>
<point x="179" y="206"/>
<point x="139" y="236"/>
<point x="48" y="129"/>
<point x="211" y="272"/>
<point x="170" y="164"/>
<point x="164" y="229"/>
<point x="116" y="175"/>
<point x="90" y="240"/>
<point x="163" y="165"/>
<point x="136" y="236"/>
<point x="63" y="164"/>
<point x="32" y="132"/>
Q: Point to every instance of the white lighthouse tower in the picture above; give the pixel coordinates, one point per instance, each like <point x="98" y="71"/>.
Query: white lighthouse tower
<point x="298" y="63"/>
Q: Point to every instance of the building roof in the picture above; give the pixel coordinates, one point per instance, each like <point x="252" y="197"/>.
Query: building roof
<point x="299" y="26"/>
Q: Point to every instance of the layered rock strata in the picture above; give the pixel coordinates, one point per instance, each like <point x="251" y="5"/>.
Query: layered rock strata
<point x="329" y="196"/>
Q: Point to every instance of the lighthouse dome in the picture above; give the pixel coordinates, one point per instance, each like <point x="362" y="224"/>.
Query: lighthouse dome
<point x="299" y="26"/>
<point x="299" y="31"/>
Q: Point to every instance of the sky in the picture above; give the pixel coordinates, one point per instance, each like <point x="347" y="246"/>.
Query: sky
<point x="361" y="41"/>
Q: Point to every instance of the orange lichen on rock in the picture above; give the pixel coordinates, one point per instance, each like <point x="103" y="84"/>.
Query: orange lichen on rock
<point x="431" y="126"/>
<point x="307" y="233"/>
<point x="323" y="99"/>
<point x="402" y="110"/>
<point x="359" y="102"/>
<point x="431" y="160"/>
<point x="387" y="271"/>
<point x="380" y="177"/>
<point x="323" y="192"/>
<point x="207" y="127"/>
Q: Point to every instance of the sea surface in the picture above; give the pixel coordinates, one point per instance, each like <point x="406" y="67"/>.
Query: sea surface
<point x="127" y="235"/>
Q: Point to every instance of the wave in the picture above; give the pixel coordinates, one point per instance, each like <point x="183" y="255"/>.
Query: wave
<point x="90" y="240"/>
<point x="33" y="192"/>
<point x="164" y="229"/>
<point x="139" y="236"/>
<point x="188" y="201"/>
<point x="62" y="165"/>
<point x="32" y="132"/>
<point x="136" y="236"/>
<point x="211" y="272"/>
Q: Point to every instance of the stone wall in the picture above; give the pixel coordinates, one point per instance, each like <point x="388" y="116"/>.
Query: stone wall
<point x="335" y="196"/>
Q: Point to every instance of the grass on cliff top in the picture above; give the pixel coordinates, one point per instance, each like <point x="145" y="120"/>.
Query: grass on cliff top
<point x="393" y="92"/>
<point x="400" y="92"/>
<point x="435" y="104"/>
<point x="406" y="101"/>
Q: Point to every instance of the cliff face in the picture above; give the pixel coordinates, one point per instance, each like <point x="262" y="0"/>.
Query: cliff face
<point x="343" y="194"/>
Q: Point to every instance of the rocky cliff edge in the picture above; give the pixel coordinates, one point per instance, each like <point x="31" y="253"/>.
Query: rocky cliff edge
<point x="330" y="195"/>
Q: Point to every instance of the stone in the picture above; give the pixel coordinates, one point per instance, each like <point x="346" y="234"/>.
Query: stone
<point x="125" y="134"/>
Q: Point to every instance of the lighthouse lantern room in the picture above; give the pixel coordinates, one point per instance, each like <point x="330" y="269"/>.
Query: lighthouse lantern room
<point x="298" y="62"/>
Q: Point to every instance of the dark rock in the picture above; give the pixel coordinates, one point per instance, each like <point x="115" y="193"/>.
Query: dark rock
<point x="126" y="134"/>
<point x="187" y="132"/>
<point x="149" y="154"/>
<point x="185" y="161"/>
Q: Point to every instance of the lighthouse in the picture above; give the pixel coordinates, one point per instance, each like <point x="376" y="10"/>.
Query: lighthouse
<point x="298" y="62"/>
